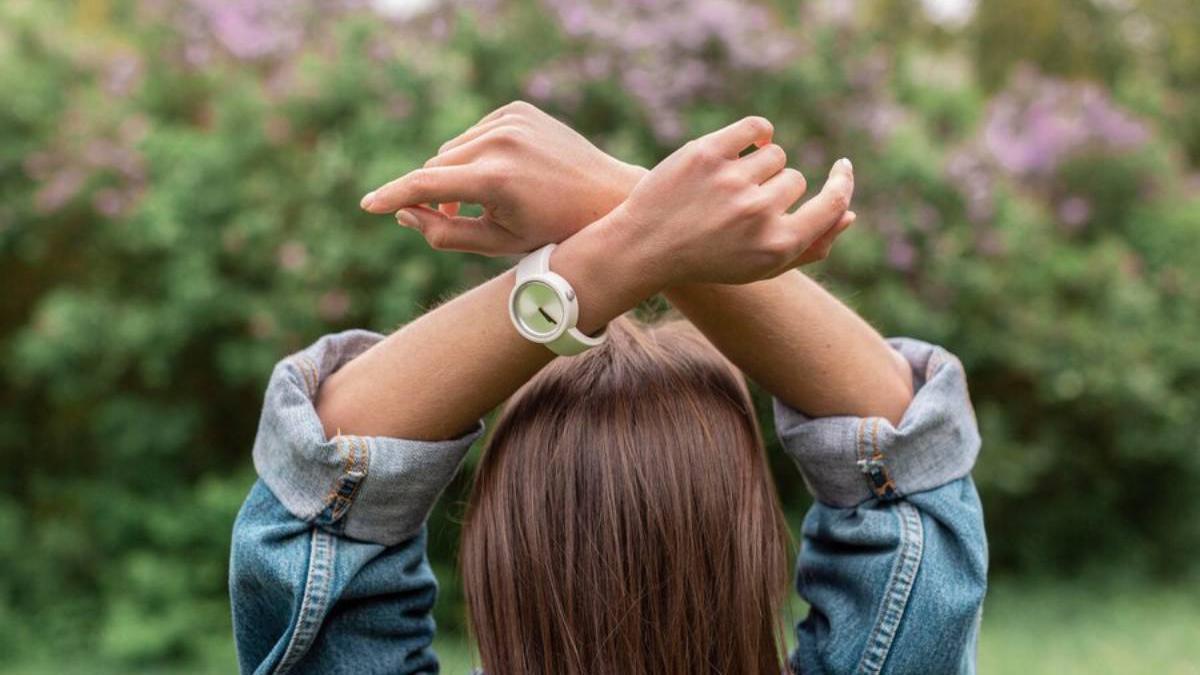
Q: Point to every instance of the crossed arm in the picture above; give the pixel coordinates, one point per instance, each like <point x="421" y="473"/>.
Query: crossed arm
<point x="707" y="227"/>
<point x="894" y="573"/>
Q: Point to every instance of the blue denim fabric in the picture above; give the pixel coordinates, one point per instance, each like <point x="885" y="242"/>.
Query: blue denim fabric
<point x="329" y="573"/>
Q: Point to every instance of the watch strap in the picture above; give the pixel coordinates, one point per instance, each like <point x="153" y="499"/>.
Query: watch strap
<point x="537" y="262"/>
<point x="573" y="341"/>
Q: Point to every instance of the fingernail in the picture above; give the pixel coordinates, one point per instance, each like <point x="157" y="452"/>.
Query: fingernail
<point x="367" y="200"/>
<point x="846" y="165"/>
<point x="407" y="219"/>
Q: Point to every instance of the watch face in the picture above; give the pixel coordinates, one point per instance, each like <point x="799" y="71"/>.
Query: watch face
<point x="539" y="308"/>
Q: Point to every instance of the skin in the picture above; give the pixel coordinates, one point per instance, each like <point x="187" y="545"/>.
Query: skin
<point x="709" y="228"/>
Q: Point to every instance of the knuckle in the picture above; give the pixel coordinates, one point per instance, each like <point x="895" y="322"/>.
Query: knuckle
<point x="701" y="155"/>
<point x="495" y="176"/>
<point x="754" y="203"/>
<point x="758" y="124"/>
<point x="435" y="237"/>
<point x="418" y="181"/>
<point x="775" y="154"/>
<point x="778" y="246"/>
<point x="730" y="182"/>
<point x="506" y="137"/>
<point x="797" y="179"/>
<point x="839" y="200"/>
<point x="519" y="107"/>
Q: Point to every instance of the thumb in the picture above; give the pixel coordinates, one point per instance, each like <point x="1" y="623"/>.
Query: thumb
<point x="819" y="249"/>
<point x="457" y="233"/>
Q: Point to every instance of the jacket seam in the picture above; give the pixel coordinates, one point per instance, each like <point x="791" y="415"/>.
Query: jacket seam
<point x="308" y="371"/>
<point x="899" y="587"/>
<point x="345" y="489"/>
<point x="315" y="601"/>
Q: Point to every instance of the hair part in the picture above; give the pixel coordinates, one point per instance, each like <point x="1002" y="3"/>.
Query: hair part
<point x="623" y="518"/>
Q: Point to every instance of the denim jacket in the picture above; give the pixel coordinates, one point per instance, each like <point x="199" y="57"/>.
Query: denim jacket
<point x="329" y="572"/>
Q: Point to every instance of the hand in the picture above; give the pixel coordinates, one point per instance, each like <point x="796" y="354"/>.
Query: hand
<point x="706" y="215"/>
<point x="537" y="179"/>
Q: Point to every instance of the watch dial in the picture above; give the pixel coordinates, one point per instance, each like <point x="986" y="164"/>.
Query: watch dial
<point x="539" y="308"/>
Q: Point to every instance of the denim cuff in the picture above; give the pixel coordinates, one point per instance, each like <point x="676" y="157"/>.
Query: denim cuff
<point x="372" y="488"/>
<point x="848" y="460"/>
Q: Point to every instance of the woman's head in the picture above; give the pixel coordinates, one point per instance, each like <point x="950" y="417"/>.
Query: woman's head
<point x="623" y="518"/>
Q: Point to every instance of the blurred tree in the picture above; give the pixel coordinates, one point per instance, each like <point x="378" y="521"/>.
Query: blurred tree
<point x="178" y="191"/>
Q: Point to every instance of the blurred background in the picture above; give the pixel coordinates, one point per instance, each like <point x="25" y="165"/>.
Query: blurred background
<point x="179" y="184"/>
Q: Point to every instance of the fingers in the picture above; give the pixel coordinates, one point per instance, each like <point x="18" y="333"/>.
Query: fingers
<point x="425" y="186"/>
<point x="471" y="134"/>
<point x="763" y="163"/>
<point x="462" y="153"/>
<point x="786" y="187"/>
<point x="821" y="213"/>
<point x="454" y="233"/>
<point x="491" y="120"/>
<point x="819" y="250"/>
<point x="743" y="133"/>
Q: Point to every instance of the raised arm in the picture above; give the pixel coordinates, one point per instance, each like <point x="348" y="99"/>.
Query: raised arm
<point x="801" y="344"/>
<point x="468" y="350"/>
<point x="703" y="215"/>
<point x="359" y="433"/>
<point x="786" y="333"/>
<point x="894" y="560"/>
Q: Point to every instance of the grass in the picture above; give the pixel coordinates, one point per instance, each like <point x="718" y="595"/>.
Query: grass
<point x="1056" y="629"/>
<point x="1091" y="628"/>
<point x="1029" y="628"/>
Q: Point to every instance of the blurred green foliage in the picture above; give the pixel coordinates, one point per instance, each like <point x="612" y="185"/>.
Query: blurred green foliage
<point x="178" y="210"/>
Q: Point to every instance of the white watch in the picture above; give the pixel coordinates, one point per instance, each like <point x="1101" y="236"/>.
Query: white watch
<point x="544" y="309"/>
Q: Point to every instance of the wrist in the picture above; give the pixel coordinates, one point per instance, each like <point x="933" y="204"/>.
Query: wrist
<point x="627" y="177"/>
<point x="609" y="272"/>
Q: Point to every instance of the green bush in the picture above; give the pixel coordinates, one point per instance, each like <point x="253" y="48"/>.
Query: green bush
<point x="178" y="210"/>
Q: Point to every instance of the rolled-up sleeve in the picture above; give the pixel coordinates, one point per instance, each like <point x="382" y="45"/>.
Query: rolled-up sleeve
<point x="893" y="560"/>
<point x="847" y="460"/>
<point x="372" y="488"/>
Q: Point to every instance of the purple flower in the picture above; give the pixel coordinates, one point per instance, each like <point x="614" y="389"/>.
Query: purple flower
<point x="110" y="202"/>
<point x="665" y="53"/>
<point x="901" y="254"/>
<point x="292" y="255"/>
<point x="540" y="86"/>
<point x="123" y="75"/>
<point x="1039" y="123"/>
<point x="60" y="189"/>
<point x="1074" y="211"/>
<point x="333" y="305"/>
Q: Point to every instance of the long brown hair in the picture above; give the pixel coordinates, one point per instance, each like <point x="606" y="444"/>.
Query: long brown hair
<point x="623" y="519"/>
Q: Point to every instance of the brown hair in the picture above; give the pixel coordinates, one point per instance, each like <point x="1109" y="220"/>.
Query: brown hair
<point x="623" y="518"/>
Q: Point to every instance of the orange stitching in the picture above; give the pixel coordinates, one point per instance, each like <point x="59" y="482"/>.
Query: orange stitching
<point x="358" y="469"/>
<point x="312" y="374"/>
<point x="878" y="456"/>
<point x="858" y="442"/>
<point x="332" y="495"/>
<point x="303" y="368"/>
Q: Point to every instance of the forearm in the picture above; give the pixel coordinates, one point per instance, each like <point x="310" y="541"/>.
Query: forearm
<point x="470" y="351"/>
<point x="802" y="345"/>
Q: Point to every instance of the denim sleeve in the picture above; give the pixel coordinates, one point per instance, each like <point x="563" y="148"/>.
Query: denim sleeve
<point x="893" y="559"/>
<point x="328" y="570"/>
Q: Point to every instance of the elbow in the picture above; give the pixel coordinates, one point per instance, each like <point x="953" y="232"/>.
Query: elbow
<point x="899" y="390"/>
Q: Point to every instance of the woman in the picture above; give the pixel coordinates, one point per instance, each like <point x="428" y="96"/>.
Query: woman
<point x="623" y="519"/>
